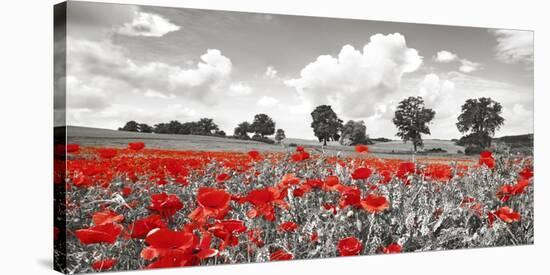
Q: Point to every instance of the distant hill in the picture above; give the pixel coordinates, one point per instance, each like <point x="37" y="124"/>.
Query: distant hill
<point x="517" y="141"/>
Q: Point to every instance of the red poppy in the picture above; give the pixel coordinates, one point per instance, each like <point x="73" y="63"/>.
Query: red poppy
<point x="314" y="237"/>
<point x="300" y="149"/>
<point x="106" y="233"/>
<point x="300" y="156"/>
<point x="486" y="158"/>
<point x="361" y="173"/>
<point x="55" y="233"/>
<point x="526" y="173"/>
<point x="227" y="231"/>
<point x="221" y="178"/>
<point x="288" y="227"/>
<point x="140" y="228"/>
<point x="105" y="264"/>
<point x="126" y="191"/>
<point x="440" y="172"/>
<point x="405" y="169"/>
<point x="281" y="255"/>
<point x="107" y="216"/>
<point x="391" y="248"/>
<point x="264" y="201"/>
<point x="136" y="146"/>
<point x="212" y="203"/>
<point x="360" y="148"/>
<point x="255" y="155"/>
<point x="506" y="214"/>
<point x="332" y="181"/>
<point x="349" y="246"/>
<point x="350" y="197"/>
<point x="107" y="153"/>
<point x="505" y="192"/>
<point x="166" y="205"/>
<point x="375" y="204"/>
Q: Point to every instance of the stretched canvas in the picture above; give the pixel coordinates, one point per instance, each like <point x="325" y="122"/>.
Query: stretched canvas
<point x="187" y="137"/>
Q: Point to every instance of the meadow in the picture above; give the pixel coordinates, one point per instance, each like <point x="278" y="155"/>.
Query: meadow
<point x="196" y="201"/>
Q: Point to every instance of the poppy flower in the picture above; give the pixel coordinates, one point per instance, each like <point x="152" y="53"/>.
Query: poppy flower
<point x="107" y="216"/>
<point x="405" y="169"/>
<point x="349" y="246"/>
<point x="212" y="203"/>
<point x="375" y="204"/>
<point x="360" y="148"/>
<point x="505" y="192"/>
<point x="439" y="172"/>
<point x="300" y="156"/>
<point x="105" y="264"/>
<point x="106" y="233"/>
<point x="166" y="205"/>
<point x="227" y="231"/>
<point x="300" y="149"/>
<point x="350" y="197"/>
<point x="136" y="146"/>
<point x="140" y="228"/>
<point x="255" y="155"/>
<point x="486" y="154"/>
<point x="221" y="178"/>
<point x="506" y="214"/>
<point x="526" y="173"/>
<point x="281" y="255"/>
<point x="391" y="248"/>
<point x="314" y="237"/>
<point x="288" y="227"/>
<point x="126" y="191"/>
<point x="332" y="181"/>
<point x="361" y="173"/>
<point x="486" y="158"/>
<point x="264" y="201"/>
<point x="177" y="249"/>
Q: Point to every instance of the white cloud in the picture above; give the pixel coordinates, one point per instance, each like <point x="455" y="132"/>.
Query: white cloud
<point x="83" y="96"/>
<point x="514" y="46"/>
<point x="203" y="82"/>
<point x="270" y="72"/>
<point x="267" y="101"/>
<point x="239" y="89"/>
<point x="445" y="57"/>
<point x="153" y="93"/>
<point x="468" y="66"/>
<point x="147" y="24"/>
<point x="355" y="80"/>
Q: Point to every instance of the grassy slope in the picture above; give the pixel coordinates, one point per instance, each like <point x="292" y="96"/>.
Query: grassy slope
<point x="103" y="137"/>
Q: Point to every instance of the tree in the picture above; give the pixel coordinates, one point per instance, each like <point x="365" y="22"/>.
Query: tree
<point x="481" y="117"/>
<point x="206" y="126"/>
<point x="263" y="125"/>
<point x="354" y="132"/>
<point x="280" y="135"/>
<point x="145" y="128"/>
<point x="326" y="124"/>
<point x="412" y="119"/>
<point x="130" y="126"/>
<point x="242" y="130"/>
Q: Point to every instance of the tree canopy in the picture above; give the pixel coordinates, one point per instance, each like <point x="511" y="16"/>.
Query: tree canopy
<point x="326" y="124"/>
<point x="263" y="125"/>
<point x="412" y="119"/>
<point x="354" y="132"/>
<point x="481" y="118"/>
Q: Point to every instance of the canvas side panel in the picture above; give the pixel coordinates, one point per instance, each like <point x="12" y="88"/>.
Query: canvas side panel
<point x="59" y="134"/>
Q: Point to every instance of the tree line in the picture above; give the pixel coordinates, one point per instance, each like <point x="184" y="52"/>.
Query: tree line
<point x="478" y="121"/>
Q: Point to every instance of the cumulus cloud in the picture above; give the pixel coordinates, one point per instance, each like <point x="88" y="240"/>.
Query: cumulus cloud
<point x="147" y="24"/>
<point x="83" y="96"/>
<point x="467" y="66"/>
<point x="239" y="89"/>
<point x="514" y="46"/>
<point x="201" y="82"/>
<point x="270" y="72"/>
<point x="445" y="56"/>
<point x="267" y="101"/>
<point x="355" y="79"/>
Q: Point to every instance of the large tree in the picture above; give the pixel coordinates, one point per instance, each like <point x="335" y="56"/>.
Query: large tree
<point x="326" y="124"/>
<point x="412" y="119"/>
<point x="242" y="130"/>
<point x="354" y="132"/>
<point x="263" y="125"/>
<point x="130" y="126"/>
<point x="481" y="118"/>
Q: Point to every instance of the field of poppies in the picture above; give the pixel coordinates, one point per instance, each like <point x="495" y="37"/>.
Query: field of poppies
<point x="140" y="208"/>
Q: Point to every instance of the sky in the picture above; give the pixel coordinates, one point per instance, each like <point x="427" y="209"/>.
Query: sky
<point x="153" y="65"/>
